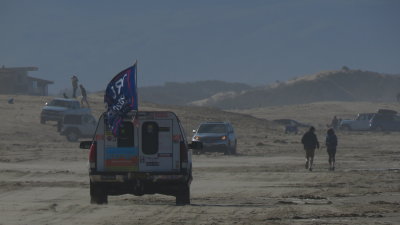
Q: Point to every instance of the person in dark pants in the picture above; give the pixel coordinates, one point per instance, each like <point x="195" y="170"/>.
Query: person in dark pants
<point x="331" y="144"/>
<point x="74" y="81"/>
<point x="335" y="123"/>
<point x="84" y="96"/>
<point x="310" y="143"/>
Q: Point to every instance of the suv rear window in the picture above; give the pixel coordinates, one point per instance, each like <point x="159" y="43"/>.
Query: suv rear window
<point x="72" y="119"/>
<point x="384" y="117"/>
<point x="150" y="138"/>
<point x="125" y="138"/>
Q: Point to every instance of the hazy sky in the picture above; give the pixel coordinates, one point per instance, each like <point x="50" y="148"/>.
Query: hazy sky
<point x="254" y="42"/>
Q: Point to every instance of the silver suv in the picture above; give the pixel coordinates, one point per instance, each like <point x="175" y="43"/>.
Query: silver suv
<point x="216" y="136"/>
<point x="361" y="122"/>
<point x="75" y="126"/>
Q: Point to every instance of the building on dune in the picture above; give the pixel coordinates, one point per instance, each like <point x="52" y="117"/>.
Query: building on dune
<point x="15" y="80"/>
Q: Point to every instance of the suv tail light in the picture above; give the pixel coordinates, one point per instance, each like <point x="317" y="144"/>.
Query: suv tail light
<point x="183" y="155"/>
<point x="92" y="155"/>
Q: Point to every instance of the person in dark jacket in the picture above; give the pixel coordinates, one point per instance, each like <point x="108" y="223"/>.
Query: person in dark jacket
<point x="74" y="80"/>
<point x="331" y="144"/>
<point x="310" y="143"/>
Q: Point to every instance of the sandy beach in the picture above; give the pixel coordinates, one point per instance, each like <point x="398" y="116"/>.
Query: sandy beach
<point x="44" y="178"/>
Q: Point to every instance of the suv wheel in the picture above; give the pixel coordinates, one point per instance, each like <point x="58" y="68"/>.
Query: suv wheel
<point x="183" y="197"/>
<point x="378" y="128"/>
<point x="98" y="194"/>
<point x="228" y="150"/>
<point x="233" y="151"/>
<point x="72" y="135"/>
<point x="346" y="127"/>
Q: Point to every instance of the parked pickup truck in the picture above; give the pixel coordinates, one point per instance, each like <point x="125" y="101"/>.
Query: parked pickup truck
<point x="56" y="108"/>
<point x="150" y="155"/>
<point x="361" y="122"/>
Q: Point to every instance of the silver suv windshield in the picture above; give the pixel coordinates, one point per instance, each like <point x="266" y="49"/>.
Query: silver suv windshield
<point x="212" y="128"/>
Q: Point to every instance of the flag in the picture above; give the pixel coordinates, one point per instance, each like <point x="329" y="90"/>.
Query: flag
<point x="121" y="97"/>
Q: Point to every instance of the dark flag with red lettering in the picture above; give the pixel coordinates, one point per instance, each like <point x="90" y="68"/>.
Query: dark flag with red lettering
<point x="121" y="97"/>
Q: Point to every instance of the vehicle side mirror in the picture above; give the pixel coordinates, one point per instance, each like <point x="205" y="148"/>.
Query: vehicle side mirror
<point x="196" y="145"/>
<point x="85" y="144"/>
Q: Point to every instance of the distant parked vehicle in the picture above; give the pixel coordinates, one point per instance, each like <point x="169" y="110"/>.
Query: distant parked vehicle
<point x="55" y="109"/>
<point x="385" y="122"/>
<point x="291" y="126"/>
<point x="290" y="122"/>
<point x="75" y="126"/>
<point x="216" y="137"/>
<point x="361" y="122"/>
<point x="387" y="111"/>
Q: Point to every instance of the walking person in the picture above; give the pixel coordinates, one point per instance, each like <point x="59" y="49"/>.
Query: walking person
<point x="310" y="143"/>
<point x="84" y="96"/>
<point x="74" y="80"/>
<point x="331" y="144"/>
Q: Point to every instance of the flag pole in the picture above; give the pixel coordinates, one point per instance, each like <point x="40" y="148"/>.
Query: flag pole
<point x="135" y="116"/>
<point x="136" y="73"/>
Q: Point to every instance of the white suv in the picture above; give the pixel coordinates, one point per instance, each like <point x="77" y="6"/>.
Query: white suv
<point x="75" y="126"/>
<point x="149" y="156"/>
<point x="361" y="122"/>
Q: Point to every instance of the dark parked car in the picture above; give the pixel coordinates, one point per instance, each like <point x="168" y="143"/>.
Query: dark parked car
<point x="216" y="136"/>
<point x="290" y="122"/>
<point x="56" y="108"/>
<point x="291" y="126"/>
<point x="385" y="122"/>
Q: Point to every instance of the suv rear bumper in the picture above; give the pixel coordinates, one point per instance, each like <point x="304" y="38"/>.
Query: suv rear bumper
<point x="51" y="116"/>
<point x="150" y="178"/>
<point x="132" y="176"/>
<point x="141" y="183"/>
<point x="214" y="147"/>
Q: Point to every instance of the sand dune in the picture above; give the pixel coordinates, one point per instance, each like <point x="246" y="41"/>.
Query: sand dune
<point x="340" y="85"/>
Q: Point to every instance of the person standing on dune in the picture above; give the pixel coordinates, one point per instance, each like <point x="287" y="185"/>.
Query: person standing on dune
<point x="74" y="80"/>
<point x="310" y="143"/>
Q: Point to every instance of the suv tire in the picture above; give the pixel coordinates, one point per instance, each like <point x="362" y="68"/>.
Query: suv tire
<point x="183" y="197"/>
<point x="98" y="194"/>
<point x="378" y="128"/>
<point x="346" y="128"/>
<point x="72" y="135"/>
<point x="233" y="152"/>
<point x="227" y="151"/>
<point x="197" y="152"/>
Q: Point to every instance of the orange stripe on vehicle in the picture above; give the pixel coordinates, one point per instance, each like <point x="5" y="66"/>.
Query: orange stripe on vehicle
<point x="99" y="137"/>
